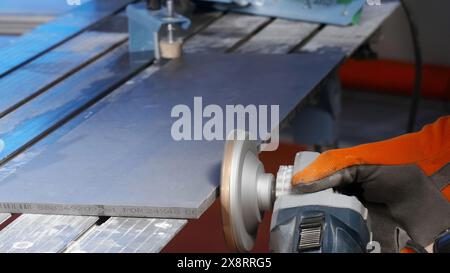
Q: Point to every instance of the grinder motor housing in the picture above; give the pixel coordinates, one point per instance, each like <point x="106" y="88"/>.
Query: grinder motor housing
<point x="323" y="222"/>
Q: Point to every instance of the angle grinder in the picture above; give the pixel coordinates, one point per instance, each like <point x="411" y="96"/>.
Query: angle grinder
<point x="322" y="222"/>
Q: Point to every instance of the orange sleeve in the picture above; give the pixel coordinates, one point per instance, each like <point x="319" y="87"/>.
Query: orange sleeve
<point x="446" y="192"/>
<point x="429" y="149"/>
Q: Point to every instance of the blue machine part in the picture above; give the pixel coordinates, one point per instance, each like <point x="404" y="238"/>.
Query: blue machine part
<point x="319" y="229"/>
<point x="337" y="12"/>
<point x="144" y="24"/>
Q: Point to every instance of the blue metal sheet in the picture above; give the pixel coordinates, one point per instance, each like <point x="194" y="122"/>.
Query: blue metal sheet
<point x="35" y="77"/>
<point x="34" y="119"/>
<point x="118" y="158"/>
<point x="47" y="36"/>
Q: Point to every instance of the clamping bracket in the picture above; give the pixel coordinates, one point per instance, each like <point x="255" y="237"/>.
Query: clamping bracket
<point x="144" y="25"/>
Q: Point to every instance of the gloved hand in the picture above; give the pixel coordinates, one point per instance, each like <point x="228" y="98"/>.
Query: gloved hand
<point x="407" y="176"/>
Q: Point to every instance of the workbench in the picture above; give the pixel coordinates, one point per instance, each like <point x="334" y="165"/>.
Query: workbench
<point x="220" y="32"/>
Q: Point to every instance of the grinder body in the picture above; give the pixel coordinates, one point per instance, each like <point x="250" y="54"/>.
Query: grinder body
<point x="298" y="227"/>
<point x="323" y="222"/>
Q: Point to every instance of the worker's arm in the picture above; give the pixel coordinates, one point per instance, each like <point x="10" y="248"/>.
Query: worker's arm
<point x="409" y="175"/>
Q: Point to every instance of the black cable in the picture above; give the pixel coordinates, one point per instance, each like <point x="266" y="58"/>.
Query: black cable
<point x="415" y="98"/>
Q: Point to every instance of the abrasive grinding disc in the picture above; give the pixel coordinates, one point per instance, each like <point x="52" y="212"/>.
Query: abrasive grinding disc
<point x="241" y="213"/>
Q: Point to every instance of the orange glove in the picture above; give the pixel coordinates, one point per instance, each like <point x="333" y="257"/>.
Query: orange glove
<point x="408" y="175"/>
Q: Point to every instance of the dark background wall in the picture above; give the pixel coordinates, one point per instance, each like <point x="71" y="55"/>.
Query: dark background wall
<point x="433" y="20"/>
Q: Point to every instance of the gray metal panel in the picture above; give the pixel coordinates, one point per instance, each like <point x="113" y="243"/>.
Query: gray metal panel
<point x="128" y="235"/>
<point x="4" y="216"/>
<point x="121" y="159"/>
<point x="35" y="76"/>
<point x="348" y="39"/>
<point x="40" y="233"/>
<point x="56" y="32"/>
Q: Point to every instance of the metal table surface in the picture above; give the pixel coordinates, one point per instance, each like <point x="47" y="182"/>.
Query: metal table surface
<point x="127" y="235"/>
<point x="122" y="160"/>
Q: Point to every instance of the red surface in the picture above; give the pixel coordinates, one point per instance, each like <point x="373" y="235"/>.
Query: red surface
<point x="205" y="234"/>
<point x="395" y="77"/>
<point x="9" y="220"/>
<point x="446" y="192"/>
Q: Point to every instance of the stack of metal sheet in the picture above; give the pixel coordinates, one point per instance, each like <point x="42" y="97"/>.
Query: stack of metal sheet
<point x="20" y="16"/>
<point x="6" y="39"/>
